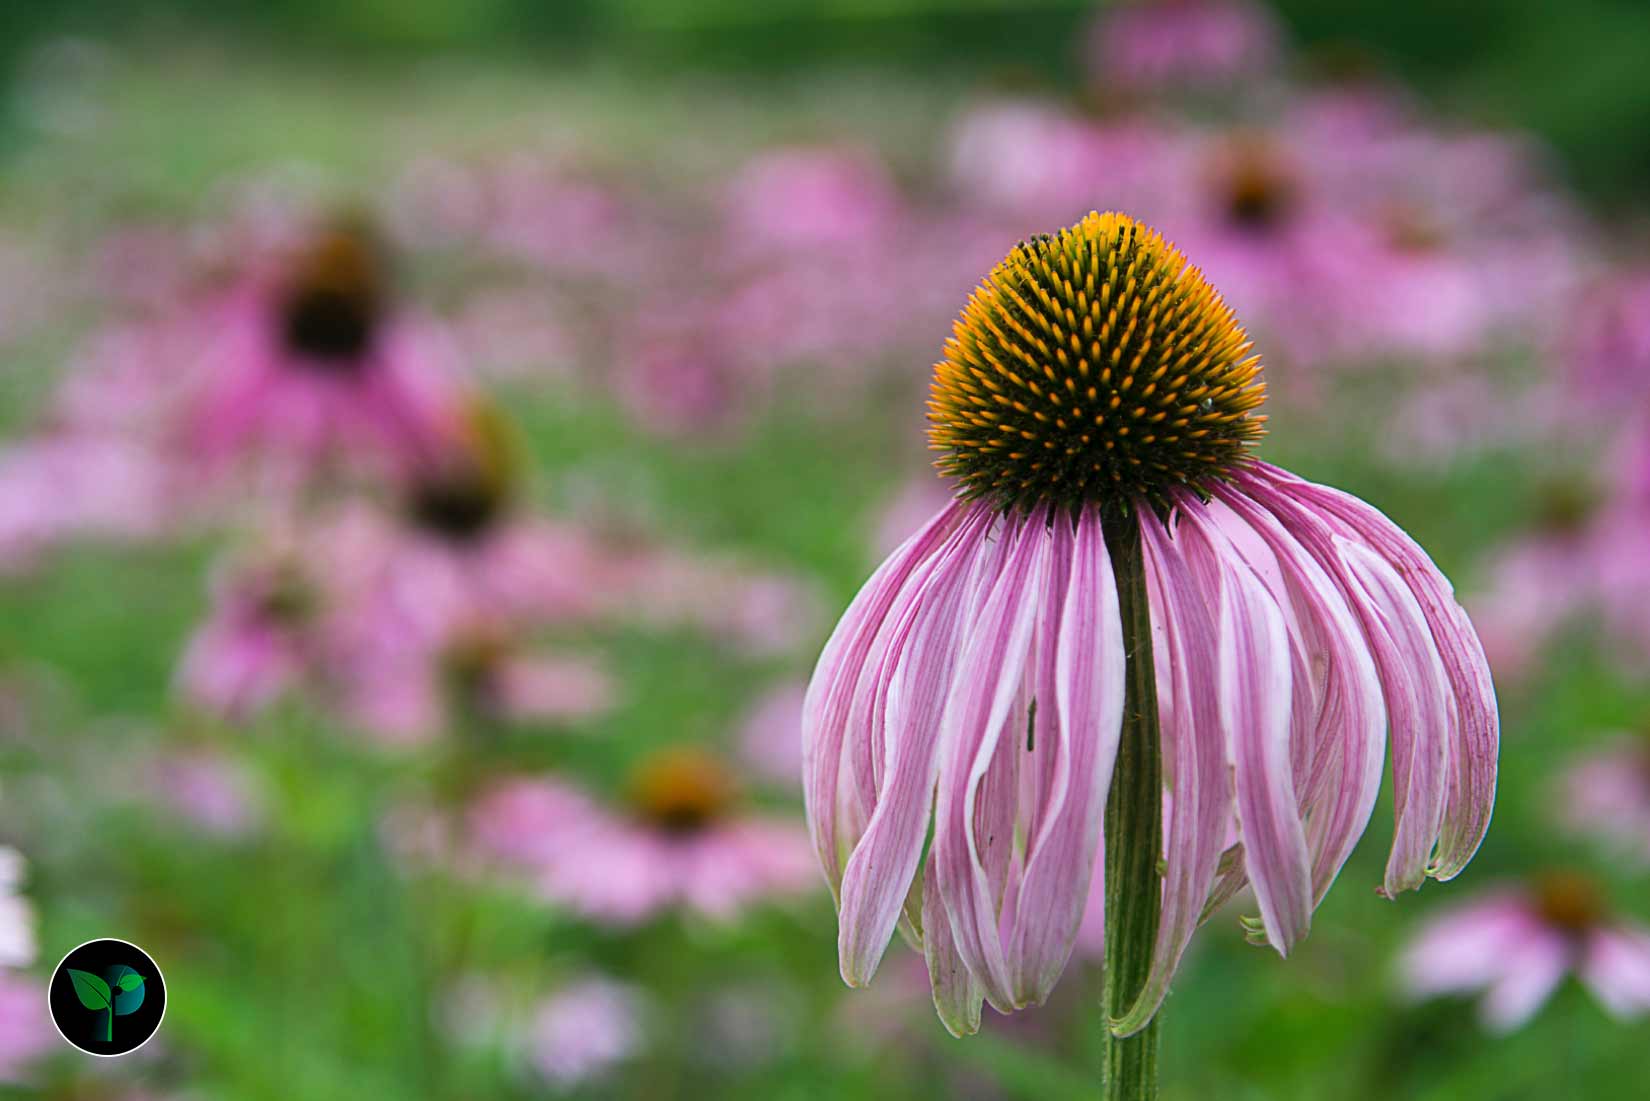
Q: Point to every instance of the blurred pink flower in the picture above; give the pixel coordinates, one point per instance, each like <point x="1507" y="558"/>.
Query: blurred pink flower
<point x="1170" y="45"/>
<point x="406" y="693"/>
<point x="314" y="368"/>
<point x="676" y="378"/>
<point x="770" y="734"/>
<point x="681" y="843"/>
<point x="1040" y="164"/>
<point x="761" y="612"/>
<point x="583" y="1031"/>
<point x="811" y="199"/>
<point x="210" y="791"/>
<point x="69" y="485"/>
<point x="1517" y="944"/>
<point x="1606" y="795"/>
<point x="26" y="1032"/>
<point x="258" y="640"/>
<point x="1536" y="586"/>
<point x="1608" y="357"/>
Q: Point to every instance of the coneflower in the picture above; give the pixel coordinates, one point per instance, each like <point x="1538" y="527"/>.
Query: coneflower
<point x="1122" y="599"/>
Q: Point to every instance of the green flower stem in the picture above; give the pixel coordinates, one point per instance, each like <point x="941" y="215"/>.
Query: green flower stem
<point x="109" y="1026"/>
<point x="1134" y="831"/>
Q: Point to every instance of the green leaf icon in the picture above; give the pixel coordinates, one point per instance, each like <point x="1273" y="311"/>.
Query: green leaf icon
<point x="130" y="981"/>
<point x="93" y="992"/>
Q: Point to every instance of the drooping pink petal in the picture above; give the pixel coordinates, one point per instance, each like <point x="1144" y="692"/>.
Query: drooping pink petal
<point x="1475" y="741"/>
<point x="1412" y="675"/>
<point x="829" y="699"/>
<point x="1255" y="698"/>
<point x="1088" y="665"/>
<point x="923" y="652"/>
<point x="989" y="676"/>
<point x="1348" y="739"/>
<point x="957" y="993"/>
<point x="1413" y="680"/>
<point x="1194" y="756"/>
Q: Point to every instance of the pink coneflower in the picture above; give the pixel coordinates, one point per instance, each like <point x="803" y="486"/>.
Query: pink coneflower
<point x="406" y="689"/>
<point x="1517" y="944"/>
<point x="314" y="366"/>
<point x="681" y="841"/>
<point x="258" y="640"/>
<point x="1606" y="795"/>
<point x="1541" y="582"/>
<point x="1152" y="45"/>
<point x="1116" y="559"/>
<point x="585" y="1030"/>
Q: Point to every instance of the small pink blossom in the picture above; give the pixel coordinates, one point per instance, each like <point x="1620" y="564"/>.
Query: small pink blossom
<point x="583" y="1031"/>
<point x="313" y="368"/>
<point x="681" y="844"/>
<point x="1517" y="944"/>
<point x="1606" y="795"/>
<point x="1165" y="45"/>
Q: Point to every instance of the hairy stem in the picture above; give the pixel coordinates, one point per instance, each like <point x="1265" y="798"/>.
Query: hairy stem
<point x="1134" y="830"/>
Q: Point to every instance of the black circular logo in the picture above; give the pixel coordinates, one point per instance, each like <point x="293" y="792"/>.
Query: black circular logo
<point x="107" y="997"/>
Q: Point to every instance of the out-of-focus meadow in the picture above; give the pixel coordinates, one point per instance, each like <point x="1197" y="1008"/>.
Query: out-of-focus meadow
<point x="438" y="439"/>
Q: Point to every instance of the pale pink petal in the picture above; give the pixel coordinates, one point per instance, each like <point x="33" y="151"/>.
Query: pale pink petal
<point x="831" y="690"/>
<point x="1421" y="712"/>
<point x="1349" y="735"/>
<point x="1413" y="680"/>
<point x="989" y="678"/>
<point x="1088" y="663"/>
<point x="1255" y="696"/>
<point x="1474" y="742"/>
<point x="922" y="653"/>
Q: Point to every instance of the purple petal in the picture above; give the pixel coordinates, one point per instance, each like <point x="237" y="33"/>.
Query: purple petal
<point x="1413" y="678"/>
<point x="1475" y="741"/>
<point x="921" y="653"/>
<point x="830" y="695"/>
<point x="1255" y="702"/>
<point x="989" y="677"/>
<point x="1087" y="662"/>
<point x="1347" y="739"/>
